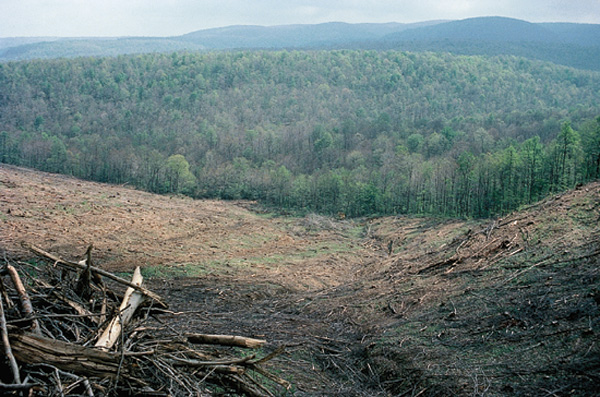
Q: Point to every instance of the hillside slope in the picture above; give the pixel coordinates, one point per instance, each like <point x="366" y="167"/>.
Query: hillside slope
<point x="505" y="307"/>
<point x="384" y="306"/>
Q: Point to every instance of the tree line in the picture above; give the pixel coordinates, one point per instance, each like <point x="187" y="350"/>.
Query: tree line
<point x="352" y="132"/>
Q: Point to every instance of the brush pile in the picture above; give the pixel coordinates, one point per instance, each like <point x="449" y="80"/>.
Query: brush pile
<point x="70" y="328"/>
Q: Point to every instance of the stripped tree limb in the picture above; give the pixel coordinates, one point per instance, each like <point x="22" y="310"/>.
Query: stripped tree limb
<point x="73" y="265"/>
<point x="131" y="301"/>
<point x="225" y="340"/>
<point x="26" y="305"/>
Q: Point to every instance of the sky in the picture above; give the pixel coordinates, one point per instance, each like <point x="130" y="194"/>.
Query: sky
<point x="110" y="18"/>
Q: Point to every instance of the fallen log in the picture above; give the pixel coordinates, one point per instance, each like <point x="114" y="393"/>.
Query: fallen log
<point x="225" y="340"/>
<point x="29" y="348"/>
<point x="131" y="301"/>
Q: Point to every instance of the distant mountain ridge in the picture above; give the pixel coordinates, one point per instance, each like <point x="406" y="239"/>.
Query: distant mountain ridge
<point x="293" y="36"/>
<point x="499" y="29"/>
<point x="481" y="29"/>
<point x="576" y="45"/>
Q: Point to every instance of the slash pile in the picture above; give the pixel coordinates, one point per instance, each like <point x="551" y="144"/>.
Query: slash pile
<point x="70" y="328"/>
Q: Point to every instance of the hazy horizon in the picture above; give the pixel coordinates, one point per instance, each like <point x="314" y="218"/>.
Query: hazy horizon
<point x="167" y="18"/>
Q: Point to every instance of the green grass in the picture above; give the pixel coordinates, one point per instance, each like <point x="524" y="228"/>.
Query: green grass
<point x="181" y="270"/>
<point x="247" y="263"/>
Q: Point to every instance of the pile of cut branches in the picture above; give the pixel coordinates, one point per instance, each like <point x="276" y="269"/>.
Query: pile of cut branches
<point x="70" y="328"/>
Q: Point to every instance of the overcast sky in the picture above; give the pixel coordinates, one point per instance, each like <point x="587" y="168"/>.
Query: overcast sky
<point x="175" y="17"/>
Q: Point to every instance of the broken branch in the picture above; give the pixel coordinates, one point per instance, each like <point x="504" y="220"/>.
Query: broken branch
<point x="131" y="301"/>
<point x="73" y="265"/>
<point x="26" y="305"/>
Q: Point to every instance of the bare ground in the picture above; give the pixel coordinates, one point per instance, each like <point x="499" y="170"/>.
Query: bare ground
<point x="387" y="306"/>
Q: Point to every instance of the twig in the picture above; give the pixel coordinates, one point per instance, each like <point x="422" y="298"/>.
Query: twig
<point x="270" y="356"/>
<point x="272" y="377"/>
<point x="261" y="387"/>
<point x="517" y="274"/>
<point x="246" y="387"/>
<point x="198" y="363"/>
<point x="43" y="316"/>
<point x="83" y="379"/>
<point x="58" y="382"/>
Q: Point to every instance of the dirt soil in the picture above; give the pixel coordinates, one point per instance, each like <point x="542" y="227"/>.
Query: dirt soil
<point x="385" y="306"/>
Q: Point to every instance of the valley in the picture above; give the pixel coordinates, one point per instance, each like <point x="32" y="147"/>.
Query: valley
<point x="371" y="306"/>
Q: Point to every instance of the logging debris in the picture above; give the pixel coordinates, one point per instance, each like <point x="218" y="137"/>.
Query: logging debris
<point x="98" y="339"/>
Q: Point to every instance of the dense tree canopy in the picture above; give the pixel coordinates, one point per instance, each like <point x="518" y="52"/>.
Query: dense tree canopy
<point x="353" y="132"/>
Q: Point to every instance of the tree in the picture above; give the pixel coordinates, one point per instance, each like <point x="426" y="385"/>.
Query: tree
<point x="4" y="147"/>
<point x="590" y="140"/>
<point x="532" y="156"/>
<point x="567" y="152"/>
<point x="58" y="160"/>
<point x="179" y="177"/>
<point x="466" y="164"/>
<point x="322" y="139"/>
<point x="282" y="179"/>
<point x="414" y="142"/>
<point x="436" y="144"/>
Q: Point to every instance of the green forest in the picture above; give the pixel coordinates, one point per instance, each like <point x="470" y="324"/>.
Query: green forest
<point x="345" y="132"/>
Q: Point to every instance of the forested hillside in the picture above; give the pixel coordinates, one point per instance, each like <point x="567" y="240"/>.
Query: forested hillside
<point x="338" y="132"/>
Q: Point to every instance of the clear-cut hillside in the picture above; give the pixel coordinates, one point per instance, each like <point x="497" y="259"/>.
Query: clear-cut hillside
<point x="381" y="306"/>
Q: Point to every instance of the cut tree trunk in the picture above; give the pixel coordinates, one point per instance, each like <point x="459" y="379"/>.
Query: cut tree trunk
<point x="33" y="349"/>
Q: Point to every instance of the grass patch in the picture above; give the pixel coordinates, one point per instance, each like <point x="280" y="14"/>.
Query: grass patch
<point x="181" y="270"/>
